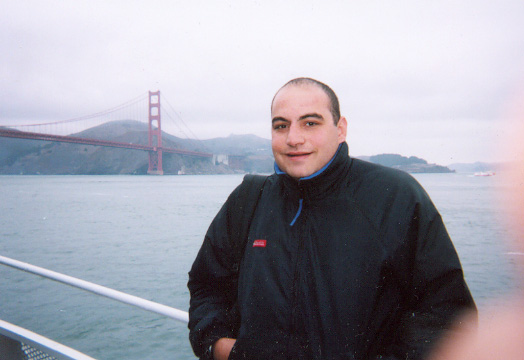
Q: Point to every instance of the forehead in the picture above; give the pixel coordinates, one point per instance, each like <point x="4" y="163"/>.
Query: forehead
<point x="301" y="97"/>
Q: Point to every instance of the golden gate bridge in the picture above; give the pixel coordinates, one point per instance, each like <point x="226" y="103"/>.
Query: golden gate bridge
<point x="48" y="131"/>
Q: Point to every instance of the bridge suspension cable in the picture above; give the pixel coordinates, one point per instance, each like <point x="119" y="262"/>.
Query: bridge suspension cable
<point x="170" y="117"/>
<point x="59" y="131"/>
<point x="58" y="127"/>
<point x="134" y="109"/>
<point x="128" y="103"/>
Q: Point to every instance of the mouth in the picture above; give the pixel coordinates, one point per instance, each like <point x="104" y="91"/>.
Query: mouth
<point x="298" y="155"/>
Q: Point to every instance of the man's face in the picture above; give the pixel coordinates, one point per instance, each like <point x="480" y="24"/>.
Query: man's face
<point x="304" y="136"/>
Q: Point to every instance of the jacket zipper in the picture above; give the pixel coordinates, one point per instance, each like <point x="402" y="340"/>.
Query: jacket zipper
<point x="293" y="341"/>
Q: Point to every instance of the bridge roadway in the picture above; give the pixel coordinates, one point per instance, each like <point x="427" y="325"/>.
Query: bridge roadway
<point x="76" y="140"/>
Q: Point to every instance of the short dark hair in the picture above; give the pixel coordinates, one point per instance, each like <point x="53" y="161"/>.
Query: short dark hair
<point x="333" y="99"/>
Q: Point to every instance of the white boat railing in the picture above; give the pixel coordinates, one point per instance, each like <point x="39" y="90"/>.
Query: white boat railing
<point x="19" y="343"/>
<point x="165" y="310"/>
<point x="10" y="333"/>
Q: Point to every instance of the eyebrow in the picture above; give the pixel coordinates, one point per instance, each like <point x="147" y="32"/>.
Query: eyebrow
<point x="312" y="115"/>
<point x="303" y="117"/>
<point x="278" y="118"/>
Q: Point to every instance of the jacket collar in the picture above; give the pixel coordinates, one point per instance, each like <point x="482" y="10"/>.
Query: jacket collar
<point x="324" y="180"/>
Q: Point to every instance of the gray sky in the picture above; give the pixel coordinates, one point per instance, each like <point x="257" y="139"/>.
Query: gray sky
<point x="423" y="78"/>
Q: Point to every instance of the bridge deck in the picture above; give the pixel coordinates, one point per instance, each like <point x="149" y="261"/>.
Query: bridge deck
<point x="77" y="140"/>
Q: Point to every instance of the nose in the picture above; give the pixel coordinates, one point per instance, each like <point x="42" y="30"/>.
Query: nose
<point x="294" y="136"/>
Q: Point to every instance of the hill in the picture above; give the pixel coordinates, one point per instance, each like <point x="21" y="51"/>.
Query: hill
<point x="410" y="164"/>
<point x="33" y="157"/>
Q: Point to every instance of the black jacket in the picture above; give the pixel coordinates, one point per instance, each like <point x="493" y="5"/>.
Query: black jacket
<point x="355" y="263"/>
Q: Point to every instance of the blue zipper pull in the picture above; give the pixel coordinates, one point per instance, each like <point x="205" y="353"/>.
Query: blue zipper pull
<point x="298" y="212"/>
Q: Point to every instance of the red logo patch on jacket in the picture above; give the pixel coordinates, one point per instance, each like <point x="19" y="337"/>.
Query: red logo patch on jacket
<point x="259" y="243"/>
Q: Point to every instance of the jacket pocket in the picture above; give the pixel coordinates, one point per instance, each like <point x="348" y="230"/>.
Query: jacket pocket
<point x="256" y="349"/>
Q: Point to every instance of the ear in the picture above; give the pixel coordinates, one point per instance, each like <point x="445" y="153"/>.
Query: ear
<point x="342" y="128"/>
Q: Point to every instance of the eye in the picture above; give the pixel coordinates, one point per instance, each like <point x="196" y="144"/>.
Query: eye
<point x="311" y="123"/>
<point x="279" y="126"/>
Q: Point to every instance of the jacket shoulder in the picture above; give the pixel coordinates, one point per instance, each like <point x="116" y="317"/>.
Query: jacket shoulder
<point x="382" y="179"/>
<point x="381" y="192"/>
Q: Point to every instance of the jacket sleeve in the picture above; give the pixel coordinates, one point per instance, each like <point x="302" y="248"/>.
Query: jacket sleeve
<point x="437" y="293"/>
<point x="213" y="285"/>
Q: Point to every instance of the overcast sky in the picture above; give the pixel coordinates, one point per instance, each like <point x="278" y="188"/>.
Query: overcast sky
<point x="423" y="78"/>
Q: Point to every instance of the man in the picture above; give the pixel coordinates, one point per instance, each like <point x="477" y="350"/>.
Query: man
<point x="344" y="259"/>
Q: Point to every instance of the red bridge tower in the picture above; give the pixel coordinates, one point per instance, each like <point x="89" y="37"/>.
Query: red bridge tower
<point x="155" y="131"/>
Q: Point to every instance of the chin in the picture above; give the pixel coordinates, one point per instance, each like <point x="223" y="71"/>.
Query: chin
<point x="295" y="171"/>
<point x="298" y="174"/>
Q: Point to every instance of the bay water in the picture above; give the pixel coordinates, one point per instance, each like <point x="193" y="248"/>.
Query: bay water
<point x="140" y="235"/>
